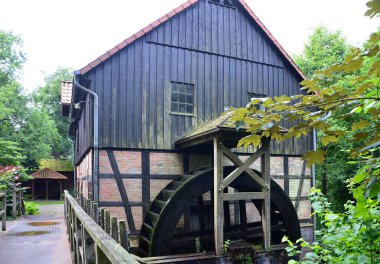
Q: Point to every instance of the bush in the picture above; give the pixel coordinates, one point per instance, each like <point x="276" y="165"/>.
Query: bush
<point x="32" y="208"/>
<point x="11" y="178"/>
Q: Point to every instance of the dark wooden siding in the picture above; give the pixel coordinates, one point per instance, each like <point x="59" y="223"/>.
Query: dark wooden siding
<point x="218" y="49"/>
<point x="83" y="138"/>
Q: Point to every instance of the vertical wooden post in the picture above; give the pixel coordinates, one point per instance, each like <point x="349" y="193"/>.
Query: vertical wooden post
<point x="243" y="218"/>
<point x="201" y="219"/>
<point x="19" y="202"/>
<point x="265" y="167"/>
<point x="4" y="208"/>
<point x="114" y="229"/>
<point x="60" y="190"/>
<point x="101" y="218"/>
<point x="33" y="194"/>
<point x="88" y="248"/>
<point x="47" y="189"/>
<point x="122" y="236"/>
<point x="14" y="204"/>
<point x="95" y="212"/>
<point x="218" y="197"/>
<point x="107" y="222"/>
<point x="226" y="210"/>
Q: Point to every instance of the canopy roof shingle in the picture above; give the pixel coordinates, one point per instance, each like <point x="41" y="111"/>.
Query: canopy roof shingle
<point x="205" y="132"/>
<point x="48" y="174"/>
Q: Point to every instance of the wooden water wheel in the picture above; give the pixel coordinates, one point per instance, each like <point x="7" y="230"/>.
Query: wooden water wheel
<point x="163" y="231"/>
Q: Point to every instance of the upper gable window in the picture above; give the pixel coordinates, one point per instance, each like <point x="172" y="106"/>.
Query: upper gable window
<point x="256" y="95"/>
<point x="222" y="2"/>
<point x="182" y="98"/>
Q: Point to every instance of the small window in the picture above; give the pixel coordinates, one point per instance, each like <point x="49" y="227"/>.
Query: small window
<point x="256" y="95"/>
<point x="222" y="2"/>
<point x="182" y="98"/>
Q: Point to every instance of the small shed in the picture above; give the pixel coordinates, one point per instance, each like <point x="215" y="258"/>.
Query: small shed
<point x="47" y="183"/>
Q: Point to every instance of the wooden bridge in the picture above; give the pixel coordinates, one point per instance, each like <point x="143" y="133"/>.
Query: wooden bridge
<point x="96" y="237"/>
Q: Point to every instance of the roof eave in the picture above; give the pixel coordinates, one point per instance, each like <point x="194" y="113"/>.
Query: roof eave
<point x="174" y="12"/>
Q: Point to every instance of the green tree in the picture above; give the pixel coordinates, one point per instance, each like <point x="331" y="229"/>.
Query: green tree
<point x="324" y="49"/>
<point x="12" y="101"/>
<point x="28" y="132"/>
<point x="48" y="97"/>
<point x="352" y="236"/>
<point x="11" y="57"/>
<point x="10" y="153"/>
<point x="37" y="137"/>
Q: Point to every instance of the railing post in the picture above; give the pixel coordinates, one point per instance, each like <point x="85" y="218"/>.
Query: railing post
<point x="88" y="248"/>
<point x="123" y="237"/>
<point x="101" y="218"/>
<point x="107" y="222"/>
<point x="14" y="203"/>
<point x="4" y="208"/>
<point x="78" y="241"/>
<point x="91" y="210"/>
<point x="114" y="229"/>
<point x="95" y="212"/>
<point x="19" y="203"/>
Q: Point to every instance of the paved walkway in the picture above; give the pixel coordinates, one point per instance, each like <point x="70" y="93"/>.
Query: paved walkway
<point x="36" y="239"/>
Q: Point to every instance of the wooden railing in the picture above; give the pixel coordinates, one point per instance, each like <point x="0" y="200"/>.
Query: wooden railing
<point x="3" y="212"/>
<point x="16" y="202"/>
<point x="89" y="243"/>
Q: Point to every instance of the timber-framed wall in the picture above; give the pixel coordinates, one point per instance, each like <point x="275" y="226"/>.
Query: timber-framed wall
<point x="144" y="173"/>
<point x="225" y="54"/>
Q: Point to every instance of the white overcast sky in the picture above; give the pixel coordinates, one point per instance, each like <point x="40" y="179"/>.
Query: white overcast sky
<point x="72" y="33"/>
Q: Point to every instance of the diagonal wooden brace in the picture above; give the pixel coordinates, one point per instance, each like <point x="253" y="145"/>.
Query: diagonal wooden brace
<point x="242" y="167"/>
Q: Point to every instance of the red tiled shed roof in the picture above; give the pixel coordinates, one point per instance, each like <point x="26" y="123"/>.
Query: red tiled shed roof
<point x="48" y="174"/>
<point x="172" y="13"/>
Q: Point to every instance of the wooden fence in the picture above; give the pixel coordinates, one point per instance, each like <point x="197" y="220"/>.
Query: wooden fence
<point x="95" y="236"/>
<point x="3" y="212"/>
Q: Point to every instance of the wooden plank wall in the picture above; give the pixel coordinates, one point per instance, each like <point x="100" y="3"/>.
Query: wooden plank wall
<point x="216" y="48"/>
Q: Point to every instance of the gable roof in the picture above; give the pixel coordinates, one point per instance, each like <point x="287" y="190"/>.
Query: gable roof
<point x="172" y="13"/>
<point x="48" y="174"/>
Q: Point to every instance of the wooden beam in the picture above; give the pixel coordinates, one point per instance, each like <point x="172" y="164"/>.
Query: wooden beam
<point x="244" y="196"/>
<point x="235" y="159"/>
<point x="3" y="212"/>
<point x="300" y="186"/>
<point x="218" y="197"/>
<point x="60" y="190"/>
<point x="243" y="218"/>
<point x="122" y="191"/>
<point x="265" y="213"/>
<point x="226" y="208"/>
<point x="33" y="189"/>
<point x="201" y="219"/>
<point x="47" y="190"/>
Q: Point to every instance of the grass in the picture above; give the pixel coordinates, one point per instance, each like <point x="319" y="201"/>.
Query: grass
<point x="42" y="203"/>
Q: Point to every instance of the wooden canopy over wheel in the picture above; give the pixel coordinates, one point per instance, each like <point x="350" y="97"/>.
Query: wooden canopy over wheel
<point x="163" y="234"/>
